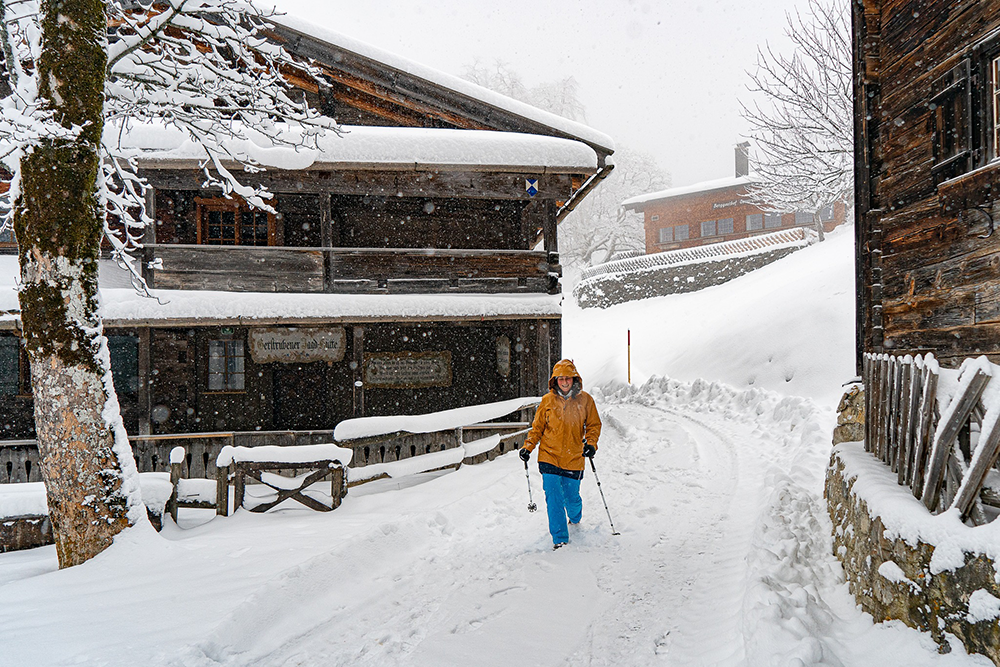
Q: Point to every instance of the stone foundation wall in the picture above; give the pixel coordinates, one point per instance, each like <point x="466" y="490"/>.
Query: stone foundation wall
<point x="610" y="290"/>
<point x="891" y="579"/>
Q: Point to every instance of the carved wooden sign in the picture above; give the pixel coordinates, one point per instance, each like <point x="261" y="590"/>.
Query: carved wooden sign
<point x="297" y="345"/>
<point x="408" y="370"/>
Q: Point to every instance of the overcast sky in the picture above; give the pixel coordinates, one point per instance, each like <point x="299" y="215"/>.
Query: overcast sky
<point x="660" y="75"/>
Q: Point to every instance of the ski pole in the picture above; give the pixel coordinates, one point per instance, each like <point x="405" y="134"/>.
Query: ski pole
<point x="613" y="531"/>
<point x="531" y="504"/>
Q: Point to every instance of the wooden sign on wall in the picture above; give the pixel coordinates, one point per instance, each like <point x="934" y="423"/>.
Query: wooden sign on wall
<point x="297" y="345"/>
<point x="503" y="356"/>
<point x="408" y="370"/>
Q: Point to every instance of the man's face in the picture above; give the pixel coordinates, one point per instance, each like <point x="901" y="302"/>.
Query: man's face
<point x="564" y="383"/>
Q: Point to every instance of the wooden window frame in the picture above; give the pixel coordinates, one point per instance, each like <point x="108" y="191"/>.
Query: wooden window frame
<point x="226" y="374"/>
<point x="204" y="206"/>
<point x="951" y="121"/>
<point x="23" y="388"/>
<point x="993" y="92"/>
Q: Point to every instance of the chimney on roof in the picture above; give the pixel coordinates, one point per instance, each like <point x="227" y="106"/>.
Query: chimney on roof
<point x="742" y="159"/>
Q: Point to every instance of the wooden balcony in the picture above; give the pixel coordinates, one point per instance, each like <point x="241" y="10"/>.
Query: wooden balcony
<point x="349" y="270"/>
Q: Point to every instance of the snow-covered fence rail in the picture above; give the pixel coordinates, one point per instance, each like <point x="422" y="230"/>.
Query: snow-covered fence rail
<point x="796" y="236"/>
<point x="937" y="429"/>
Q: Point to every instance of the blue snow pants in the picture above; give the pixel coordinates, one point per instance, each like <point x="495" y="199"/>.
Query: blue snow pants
<point x="562" y="499"/>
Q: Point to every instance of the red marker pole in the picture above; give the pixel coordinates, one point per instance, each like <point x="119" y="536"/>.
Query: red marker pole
<point x="629" y="346"/>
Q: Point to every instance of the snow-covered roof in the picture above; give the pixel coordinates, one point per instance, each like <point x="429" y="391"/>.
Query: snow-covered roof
<point x="449" y="81"/>
<point x="704" y="186"/>
<point x="357" y="147"/>
<point x="120" y="304"/>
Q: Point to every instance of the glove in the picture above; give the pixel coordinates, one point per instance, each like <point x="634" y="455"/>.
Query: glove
<point x="589" y="451"/>
<point x="524" y="453"/>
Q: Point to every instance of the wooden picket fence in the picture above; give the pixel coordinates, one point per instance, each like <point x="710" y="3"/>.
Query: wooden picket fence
<point x="944" y="463"/>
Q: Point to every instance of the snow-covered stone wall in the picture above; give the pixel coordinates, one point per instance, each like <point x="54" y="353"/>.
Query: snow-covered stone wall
<point x="609" y="290"/>
<point x="948" y="590"/>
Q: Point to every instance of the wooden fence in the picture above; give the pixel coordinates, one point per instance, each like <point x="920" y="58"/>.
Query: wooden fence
<point x="944" y="456"/>
<point x="19" y="458"/>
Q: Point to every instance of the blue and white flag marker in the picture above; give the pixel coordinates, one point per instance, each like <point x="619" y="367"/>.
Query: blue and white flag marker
<point x="531" y="186"/>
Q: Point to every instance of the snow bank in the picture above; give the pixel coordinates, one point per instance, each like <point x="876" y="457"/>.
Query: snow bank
<point x="28" y="498"/>
<point x="406" y="467"/>
<point x="787" y="327"/>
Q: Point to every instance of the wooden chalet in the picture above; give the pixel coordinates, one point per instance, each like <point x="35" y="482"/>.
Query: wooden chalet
<point x="927" y="175"/>
<point x="409" y="266"/>
<point x="716" y="211"/>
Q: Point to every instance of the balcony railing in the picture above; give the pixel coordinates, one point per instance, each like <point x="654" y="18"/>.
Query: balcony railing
<point x="348" y="270"/>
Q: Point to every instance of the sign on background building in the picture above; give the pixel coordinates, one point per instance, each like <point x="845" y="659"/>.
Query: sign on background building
<point x="297" y="345"/>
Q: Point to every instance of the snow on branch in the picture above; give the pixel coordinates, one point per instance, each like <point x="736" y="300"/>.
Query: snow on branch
<point x="801" y="119"/>
<point x="204" y="67"/>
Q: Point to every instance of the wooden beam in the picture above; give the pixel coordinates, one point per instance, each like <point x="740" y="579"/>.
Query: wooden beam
<point x="963" y="405"/>
<point x="405" y="181"/>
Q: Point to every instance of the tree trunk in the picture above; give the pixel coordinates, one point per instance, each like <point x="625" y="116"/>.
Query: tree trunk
<point x="818" y="222"/>
<point x="58" y="224"/>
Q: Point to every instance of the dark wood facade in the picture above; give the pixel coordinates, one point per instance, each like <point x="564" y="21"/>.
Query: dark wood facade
<point x="358" y="229"/>
<point x="927" y="177"/>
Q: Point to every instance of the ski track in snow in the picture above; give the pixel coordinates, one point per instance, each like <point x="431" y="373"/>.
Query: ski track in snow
<point x="472" y="577"/>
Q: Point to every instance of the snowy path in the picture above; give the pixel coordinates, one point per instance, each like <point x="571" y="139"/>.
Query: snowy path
<point x="667" y="591"/>
<point x="723" y="560"/>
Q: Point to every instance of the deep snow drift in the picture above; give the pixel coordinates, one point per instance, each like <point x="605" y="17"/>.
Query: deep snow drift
<point x="788" y="327"/>
<point x="724" y="556"/>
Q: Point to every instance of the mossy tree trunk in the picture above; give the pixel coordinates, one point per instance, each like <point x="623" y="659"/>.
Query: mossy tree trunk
<point x="58" y="226"/>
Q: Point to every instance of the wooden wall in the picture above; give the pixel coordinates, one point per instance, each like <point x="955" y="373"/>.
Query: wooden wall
<point x="928" y="271"/>
<point x="373" y="221"/>
<point x="318" y="395"/>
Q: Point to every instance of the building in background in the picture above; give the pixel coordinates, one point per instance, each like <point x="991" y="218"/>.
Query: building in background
<point x="716" y="211"/>
<point x="410" y="266"/>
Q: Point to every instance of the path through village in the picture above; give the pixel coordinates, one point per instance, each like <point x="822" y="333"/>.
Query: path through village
<point x="723" y="559"/>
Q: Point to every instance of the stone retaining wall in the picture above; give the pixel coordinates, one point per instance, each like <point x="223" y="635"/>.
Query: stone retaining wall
<point x="609" y="290"/>
<point x="891" y="579"/>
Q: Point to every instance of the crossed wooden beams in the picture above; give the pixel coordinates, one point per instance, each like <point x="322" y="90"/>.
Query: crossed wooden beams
<point x="321" y="470"/>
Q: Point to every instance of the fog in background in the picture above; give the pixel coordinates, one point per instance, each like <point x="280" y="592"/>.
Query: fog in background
<point x="662" y="76"/>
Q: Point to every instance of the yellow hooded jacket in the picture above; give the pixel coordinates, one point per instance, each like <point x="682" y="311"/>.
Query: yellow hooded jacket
<point x="563" y="424"/>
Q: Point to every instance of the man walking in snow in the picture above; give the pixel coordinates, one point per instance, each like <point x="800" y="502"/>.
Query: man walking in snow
<point x="566" y="429"/>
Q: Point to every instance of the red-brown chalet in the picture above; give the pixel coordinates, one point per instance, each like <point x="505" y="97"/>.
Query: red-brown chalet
<point x="715" y="211"/>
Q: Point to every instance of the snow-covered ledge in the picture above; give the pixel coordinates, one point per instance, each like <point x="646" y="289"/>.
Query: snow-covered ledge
<point x="933" y="573"/>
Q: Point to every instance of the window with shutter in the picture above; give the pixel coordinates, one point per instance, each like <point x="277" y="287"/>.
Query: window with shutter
<point x="951" y="106"/>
